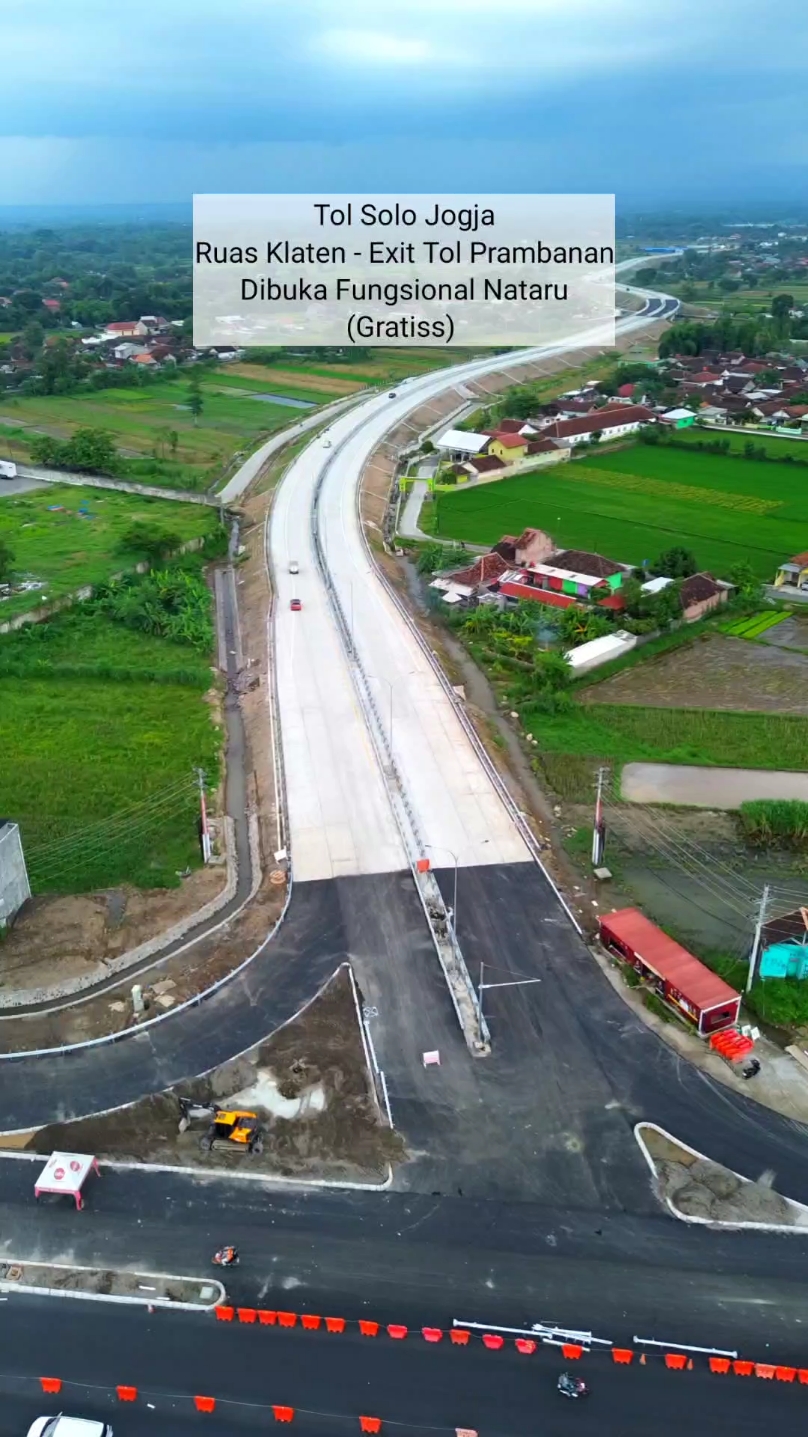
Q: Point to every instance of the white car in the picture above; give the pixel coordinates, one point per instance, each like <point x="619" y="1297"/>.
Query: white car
<point x="294" y="567"/>
<point x="326" y="443"/>
<point x="62" y="1426"/>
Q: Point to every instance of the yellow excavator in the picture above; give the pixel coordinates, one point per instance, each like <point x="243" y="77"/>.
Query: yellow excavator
<point x="227" y="1125"/>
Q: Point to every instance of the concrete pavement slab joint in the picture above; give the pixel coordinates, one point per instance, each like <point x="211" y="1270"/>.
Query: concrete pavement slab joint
<point x="793" y="1231"/>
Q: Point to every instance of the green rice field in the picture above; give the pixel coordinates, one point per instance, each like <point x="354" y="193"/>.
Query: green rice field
<point x="632" y="503"/>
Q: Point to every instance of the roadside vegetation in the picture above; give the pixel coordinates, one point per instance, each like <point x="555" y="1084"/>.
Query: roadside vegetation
<point x="63" y="538"/>
<point x="103" y="723"/>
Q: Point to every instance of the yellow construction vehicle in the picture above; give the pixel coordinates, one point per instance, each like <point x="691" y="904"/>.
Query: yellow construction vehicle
<point x="228" y="1125"/>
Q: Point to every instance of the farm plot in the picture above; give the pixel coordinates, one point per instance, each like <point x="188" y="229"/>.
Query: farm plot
<point x="64" y="537"/>
<point x="154" y="423"/>
<point x="717" y="672"/>
<point x="635" y="502"/>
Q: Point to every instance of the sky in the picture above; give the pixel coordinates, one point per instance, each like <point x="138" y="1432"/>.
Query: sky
<point x="660" y="101"/>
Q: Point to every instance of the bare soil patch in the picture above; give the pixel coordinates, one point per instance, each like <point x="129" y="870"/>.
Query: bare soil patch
<point x="715" y="672"/>
<point x="54" y="940"/>
<point x="320" y="1049"/>
<point x="697" y="1187"/>
<point x="165" y="985"/>
<point x="297" y="379"/>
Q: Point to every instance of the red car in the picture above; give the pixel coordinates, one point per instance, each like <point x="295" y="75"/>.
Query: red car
<point x="296" y="606"/>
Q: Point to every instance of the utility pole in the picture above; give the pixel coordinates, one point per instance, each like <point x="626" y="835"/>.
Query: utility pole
<point x="599" y="827"/>
<point x="203" y="817"/>
<point x="761" y="919"/>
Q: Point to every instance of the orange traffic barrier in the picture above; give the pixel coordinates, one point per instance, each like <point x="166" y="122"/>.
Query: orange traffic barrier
<point x="493" y="1341"/>
<point x="368" y="1329"/>
<point x="764" y="1369"/>
<point x="287" y="1319"/>
<point x="246" y="1314"/>
<point x="126" y="1394"/>
<point x="432" y="1334"/>
<point x="205" y="1404"/>
<point x="675" y="1360"/>
<point x="310" y="1322"/>
<point x="622" y="1354"/>
<point x="525" y="1344"/>
<point x="225" y="1314"/>
<point x="370" y="1424"/>
<point x="802" y="1375"/>
<point x="459" y="1336"/>
<point x="785" y="1374"/>
<point x="51" y="1384"/>
<point x="571" y="1349"/>
<point x="267" y="1318"/>
<point x="335" y="1324"/>
<point x="283" y="1414"/>
<point x="719" y="1364"/>
<point x="743" y="1368"/>
<point x="394" y="1329"/>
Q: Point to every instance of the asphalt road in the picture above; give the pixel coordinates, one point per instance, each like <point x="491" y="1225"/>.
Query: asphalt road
<point x="331" y="1380"/>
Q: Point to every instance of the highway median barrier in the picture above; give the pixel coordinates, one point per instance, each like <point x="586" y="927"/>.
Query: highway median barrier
<point x="370" y="1424"/>
<point x="432" y="1334"/>
<point x="283" y="1414"/>
<point x="459" y="1336"/>
<point x="225" y="1314"/>
<point x="525" y="1344"/>
<point x="493" y="1341"/>
<point x="247" y="1314"/>
<point x="394" y="1329"/>
<point x="126" y="1394"/>
<point x="335" y="1324"/>
<point x="205" y="1404"/>
<point x="368" y="1329"/>
<point x="624" y="1355"/>
<point x="51" y="1384"/>
<point x="310" y="1322"/>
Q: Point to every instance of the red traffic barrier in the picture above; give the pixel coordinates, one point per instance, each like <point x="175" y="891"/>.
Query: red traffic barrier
<point x="459" y="1336"/>
<point x="622" y="1354"/>
<point x="310" y="1322"/>
<point x="283" y="1414"/>
<point x="525" y="1344"/>
<point x="764" y="1369"/>
<point x="719" y="1364"/>
<point x="493" y="1341"/>
<point x="571" y="1349"/>
<point x="225" y="1314"/>
<point x="368" y="1329"/>
<point x="267" y="1318"/>
<point x="743" y="1368"/>
<point x="432" y="1334"/>
<point x="126" y="1394"/>
<point x="287" y="1319"/>
<point x="785" y="1374"/>
<point x="335" y="1324"/>
<point x="246" y="1314"/>
<point x="802" y="1375"/>
<point x="394" y="1329"/>
<point x="51" y="1384"/>
<point x="675" y="1360"/>
<point x="205" y="1404"/>
<point x="370" y="1424"/>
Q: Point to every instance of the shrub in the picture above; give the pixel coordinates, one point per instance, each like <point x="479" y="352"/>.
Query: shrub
<point x="150" y="539"/>
<point x="775" y="823"/>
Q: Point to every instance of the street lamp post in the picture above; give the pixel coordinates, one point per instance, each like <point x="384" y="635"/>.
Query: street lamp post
<point x="454" y="899"/>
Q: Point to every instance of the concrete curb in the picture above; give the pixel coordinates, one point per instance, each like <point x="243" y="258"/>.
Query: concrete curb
<point x="792" y="1231"/>
<point x="151" y="1301"/>
<point x="202" y="1175"/>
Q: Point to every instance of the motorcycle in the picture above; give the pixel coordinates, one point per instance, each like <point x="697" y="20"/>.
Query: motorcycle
<point x="570" y="1386"/>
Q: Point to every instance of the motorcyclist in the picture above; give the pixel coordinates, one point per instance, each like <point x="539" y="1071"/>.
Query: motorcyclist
<point x="570" y="1386"/>
<point x="226" y="1257"/>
